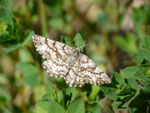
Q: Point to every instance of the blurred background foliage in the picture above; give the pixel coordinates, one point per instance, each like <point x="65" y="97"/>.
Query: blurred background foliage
<point x="118" y="36"/>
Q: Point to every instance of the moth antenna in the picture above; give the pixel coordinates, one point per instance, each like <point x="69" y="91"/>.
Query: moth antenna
<point x="78" y="43"/>
<point x="61" y="38"/>
<point x="86" y="45"/>
<point x="77" y="30"/>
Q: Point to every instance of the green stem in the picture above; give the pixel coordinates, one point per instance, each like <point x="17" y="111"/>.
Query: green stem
<point x="147" y="109"/>
<point x="43" y="18"/>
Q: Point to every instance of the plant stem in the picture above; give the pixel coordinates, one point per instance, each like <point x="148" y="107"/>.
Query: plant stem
<point x="43" y="18"/>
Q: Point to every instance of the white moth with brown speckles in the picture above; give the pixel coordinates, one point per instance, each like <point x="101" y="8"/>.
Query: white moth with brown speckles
<point x="67" y="62"/>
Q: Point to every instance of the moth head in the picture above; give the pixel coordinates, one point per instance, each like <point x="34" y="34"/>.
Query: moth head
<point x="76" y="52"/>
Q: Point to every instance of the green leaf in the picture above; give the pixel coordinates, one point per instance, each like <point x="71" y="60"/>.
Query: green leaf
<point x="52" y="3"/>
<point x="67" y="40"/>
<point x="129" y="101"/>
<point x="6" y="110"/>
<point x="56" y="23"/>
<point x="79" y="42"/>
<point x="5" y="97"/>
<point x="95" y="109"/>
<point x="72" y="92"/>
<point x="50" y="106"/>
<point x="67" y="96"/>
<point x="121" y="41"/>
<point x="132" y="83"/>
<point x="127" y="44"/>
<point x="143" y="54"/>
<point x="29" y="37"/>
<point x="146" y="54"/>
<point x="6" y="15"/>
<point x="147" y="42"/>
<point x="129" y="71"/>
<point x="103" y="19"/>
<point x="17" y="46"/>
<point x="117" y="106"/>
<point x="12" y="48"/>
<point x="132" y="44"/>
<point x="30" y="73"/>
<point x="3" y="27"/>
<point x="141" y="77"/>
<point x="139" y="56"/>
<point x="125" y="92"/>
<point x="109" y="90"/>
<point x="10" y="33"/>
<point x="76" y="107"/>
<point x="147" y="88"/>
<point x="118" y="78"/>
<point x="50" y="91"/>
<point x="6" y="4"/>
<point x="132" y="110"/>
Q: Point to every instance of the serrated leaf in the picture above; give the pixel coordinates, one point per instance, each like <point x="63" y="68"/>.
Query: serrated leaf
<point x="50" y="106"/>
<point x="76" y="107"/>
<point x="30" y="73"/>
<point x="79" y="42"/>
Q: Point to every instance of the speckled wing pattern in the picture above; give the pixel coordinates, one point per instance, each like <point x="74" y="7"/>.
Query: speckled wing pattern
<point x="56" y="55"/>
<point x="85" y="71"/>
<point x="59" y="63"/>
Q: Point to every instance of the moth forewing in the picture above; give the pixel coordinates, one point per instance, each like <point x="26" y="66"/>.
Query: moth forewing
<point x="64" y="61"/>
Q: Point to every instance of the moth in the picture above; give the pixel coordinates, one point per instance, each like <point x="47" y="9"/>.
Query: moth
<point x="64" y="61"/>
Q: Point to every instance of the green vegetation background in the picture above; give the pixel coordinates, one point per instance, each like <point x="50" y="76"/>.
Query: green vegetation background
<point x="118" y="36"/>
